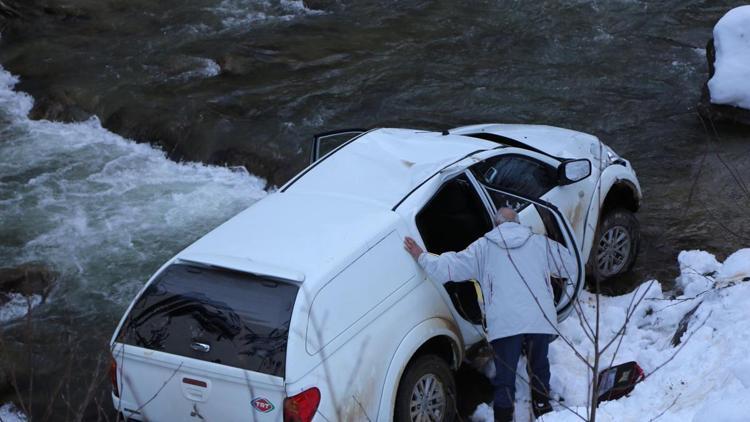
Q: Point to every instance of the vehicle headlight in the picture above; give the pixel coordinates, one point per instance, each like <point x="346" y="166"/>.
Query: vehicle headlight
<point x="611" y="156"/>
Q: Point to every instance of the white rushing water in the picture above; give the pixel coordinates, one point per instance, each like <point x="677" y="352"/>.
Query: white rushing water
<point x="237" y="14"/>
<point x="102" y="211"/>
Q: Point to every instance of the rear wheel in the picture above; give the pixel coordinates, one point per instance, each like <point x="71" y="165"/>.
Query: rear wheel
<point x="427" y="392"/>
<point x="615" y="245"/>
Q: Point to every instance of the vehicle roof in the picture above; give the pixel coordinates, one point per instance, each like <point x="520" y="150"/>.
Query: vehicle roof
<point x="384" y="165"/>
<point x="336" y="211"/>
<point x="294" y="236"/>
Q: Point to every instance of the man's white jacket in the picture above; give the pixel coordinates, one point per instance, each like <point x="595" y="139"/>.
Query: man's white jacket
<point x="513" y="266"/>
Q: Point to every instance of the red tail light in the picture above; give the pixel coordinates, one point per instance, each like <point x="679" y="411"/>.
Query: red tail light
<point x="113" y="376"/>
<point x="302" y="407"/>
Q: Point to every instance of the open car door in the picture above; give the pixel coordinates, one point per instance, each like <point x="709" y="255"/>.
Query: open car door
<point x="460" y="212"/>
<point x="323" y="143"/>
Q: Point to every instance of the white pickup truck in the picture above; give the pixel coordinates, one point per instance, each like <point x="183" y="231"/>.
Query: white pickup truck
<point x="306" y="307"/>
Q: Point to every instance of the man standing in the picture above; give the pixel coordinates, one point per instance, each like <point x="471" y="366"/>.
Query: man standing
<point x="513" y="266"/>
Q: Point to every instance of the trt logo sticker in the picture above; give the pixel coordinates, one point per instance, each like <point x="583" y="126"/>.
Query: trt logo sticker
<point x="262" y="405"/>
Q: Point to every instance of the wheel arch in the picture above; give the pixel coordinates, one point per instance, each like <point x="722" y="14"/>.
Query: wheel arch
<point x="441" y="346"/>
<point x="622" y="194"/>
<point x="617" y="187"/>
<point x="433" y="336"/>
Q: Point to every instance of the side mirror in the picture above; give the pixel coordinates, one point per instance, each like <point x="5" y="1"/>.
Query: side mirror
<point x="571" y="171"/>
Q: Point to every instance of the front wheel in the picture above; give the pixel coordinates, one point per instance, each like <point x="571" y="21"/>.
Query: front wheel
<point x="615" y="245"/>
<point x="427" y="392"/>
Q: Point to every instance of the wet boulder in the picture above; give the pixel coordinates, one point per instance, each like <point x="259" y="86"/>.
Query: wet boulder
<point x="248" y="60"/>
<point x="58" y="105"/>
<point x="231" y="64"/>
<point x="27" y="279"/>
<point x="726" y="93"/>
<point x="23" y="287"/>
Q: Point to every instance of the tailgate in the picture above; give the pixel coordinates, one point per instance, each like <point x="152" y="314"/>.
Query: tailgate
<point x="157" y="386"/>
<point x="204" y="343"/>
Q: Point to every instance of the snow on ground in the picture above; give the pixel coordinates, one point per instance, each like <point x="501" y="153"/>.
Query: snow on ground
<point x="731" y="81"/>
<point x="9" y="413"/>
<point x="705" y="378"/>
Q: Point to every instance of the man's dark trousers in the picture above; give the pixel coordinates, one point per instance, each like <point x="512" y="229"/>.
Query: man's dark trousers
<point x="507" y="352"/>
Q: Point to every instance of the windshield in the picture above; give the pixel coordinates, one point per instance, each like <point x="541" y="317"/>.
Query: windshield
<point x="216" y="315"/>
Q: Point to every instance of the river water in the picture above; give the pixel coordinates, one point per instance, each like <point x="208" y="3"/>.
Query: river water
<point x="106" y="200"/>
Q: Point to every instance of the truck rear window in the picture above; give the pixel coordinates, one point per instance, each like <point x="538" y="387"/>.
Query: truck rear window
<point x="215" y="315"/>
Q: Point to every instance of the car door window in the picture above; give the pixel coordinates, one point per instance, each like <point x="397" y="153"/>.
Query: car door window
<point x="516" y="173"/>
<point x="324" y="143"/>
<point x="454" y="217"/>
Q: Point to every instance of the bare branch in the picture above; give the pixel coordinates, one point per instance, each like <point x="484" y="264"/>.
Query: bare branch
<point x="583" y="321"/>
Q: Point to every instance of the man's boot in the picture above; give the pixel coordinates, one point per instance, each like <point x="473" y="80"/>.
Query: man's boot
<point x="540" y="404"/>
<point x="503" y="414"/>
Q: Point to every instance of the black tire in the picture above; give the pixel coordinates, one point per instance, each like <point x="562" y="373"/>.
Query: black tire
<point x="426" y="366"/>
<point x="615" y="221"/>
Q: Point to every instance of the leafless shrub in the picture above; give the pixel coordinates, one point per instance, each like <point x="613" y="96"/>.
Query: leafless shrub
<point x="56" y="405"/>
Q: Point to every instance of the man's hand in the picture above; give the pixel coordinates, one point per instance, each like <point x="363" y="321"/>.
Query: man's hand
<point x="411" y="246"/>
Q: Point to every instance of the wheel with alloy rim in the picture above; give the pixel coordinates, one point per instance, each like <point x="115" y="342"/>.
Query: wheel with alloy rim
<point x="426" y="392"/>
<point x="613" y="251"/>
<point x="615" y="245"/>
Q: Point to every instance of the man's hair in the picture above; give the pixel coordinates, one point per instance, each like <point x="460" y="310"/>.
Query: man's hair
<point x="506" y="215"/>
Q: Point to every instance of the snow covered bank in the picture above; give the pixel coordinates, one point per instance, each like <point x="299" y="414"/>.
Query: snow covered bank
<point x="709" y="377"/>
<point x="730" y="84"/>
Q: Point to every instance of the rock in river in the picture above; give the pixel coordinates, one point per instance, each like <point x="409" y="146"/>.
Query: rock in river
<point x="23" y="287"/>
<point x="726" y="94"/>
